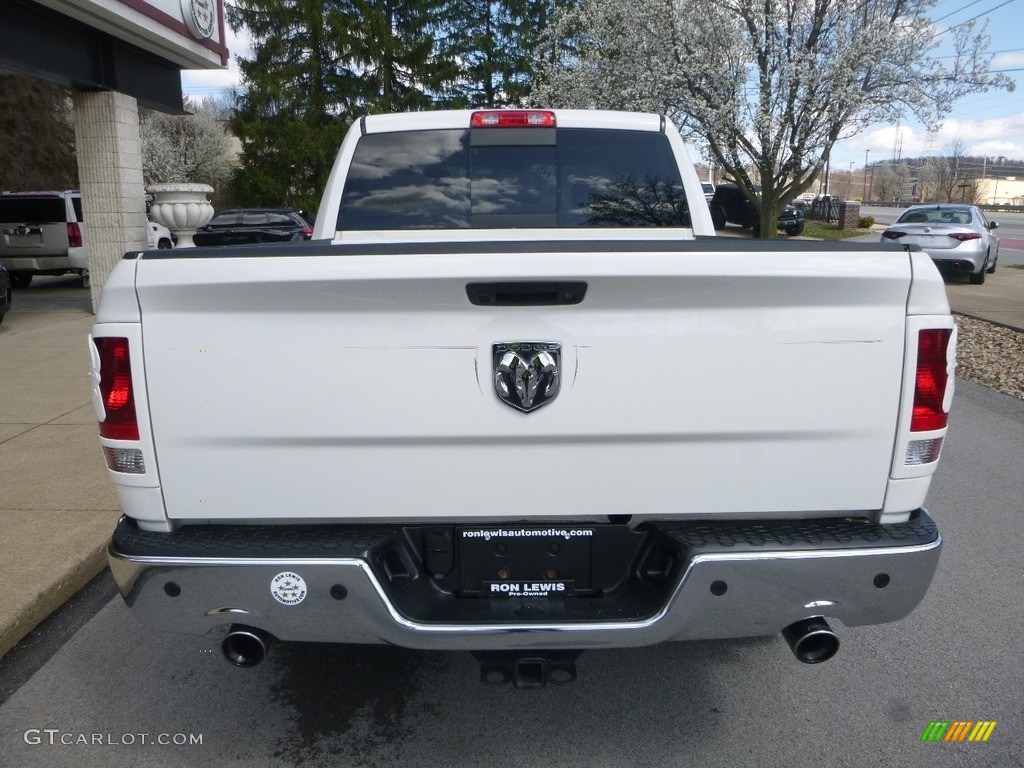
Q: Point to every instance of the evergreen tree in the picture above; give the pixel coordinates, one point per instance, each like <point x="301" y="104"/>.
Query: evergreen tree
<point x="404" y="61"/>
<point x="298" y="98"/>
<point x="495" y="45"/>
<point x="317" y="65"/>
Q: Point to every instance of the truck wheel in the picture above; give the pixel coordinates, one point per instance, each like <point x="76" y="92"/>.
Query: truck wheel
<point x="20" y="279"/>
<point x="718" y="218"/>
<point x="164" y="243"/>
<point x="795" y="230"/>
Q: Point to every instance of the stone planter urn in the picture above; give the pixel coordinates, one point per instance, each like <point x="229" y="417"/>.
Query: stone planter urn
<point x="182" y="208"/>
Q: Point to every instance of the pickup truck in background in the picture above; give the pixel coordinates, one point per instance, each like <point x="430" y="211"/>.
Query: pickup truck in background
<point x="515" y="398"/>
<point x="729" y="204"/>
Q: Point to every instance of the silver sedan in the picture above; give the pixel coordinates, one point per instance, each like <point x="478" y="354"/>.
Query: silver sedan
<point x="957" y="237"/>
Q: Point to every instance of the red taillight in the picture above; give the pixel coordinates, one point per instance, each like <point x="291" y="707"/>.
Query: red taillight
<point x="964" y="236"/>
<point x="116" y="389"/>
<point x="74" y="234"/>
<point x="930" y="384"/>
<point x="513" y="118"/>
<point x="307" y="232"/>
<point x="893" y="234"/>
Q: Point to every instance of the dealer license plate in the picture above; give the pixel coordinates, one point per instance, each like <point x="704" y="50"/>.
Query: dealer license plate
<point x="525" y="561"/>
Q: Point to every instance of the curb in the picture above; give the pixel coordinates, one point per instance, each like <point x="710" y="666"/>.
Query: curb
<point x="51" y="596"/>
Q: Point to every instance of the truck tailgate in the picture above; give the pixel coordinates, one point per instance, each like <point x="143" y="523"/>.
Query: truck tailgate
<point x="348" y="382"/>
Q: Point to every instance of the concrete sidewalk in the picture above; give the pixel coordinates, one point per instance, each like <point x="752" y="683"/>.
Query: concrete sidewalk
<point x="1000" y="300"/>
<point x="57" y="506"/>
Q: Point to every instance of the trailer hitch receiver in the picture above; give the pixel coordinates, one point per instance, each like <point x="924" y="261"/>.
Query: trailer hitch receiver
<point x="531" y="670"/>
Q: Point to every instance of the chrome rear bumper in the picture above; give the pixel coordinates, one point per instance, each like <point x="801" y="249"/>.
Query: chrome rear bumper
<point x="730" y="584"/>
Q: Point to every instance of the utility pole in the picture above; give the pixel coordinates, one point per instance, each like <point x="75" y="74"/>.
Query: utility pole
<point x="867" y="184"/>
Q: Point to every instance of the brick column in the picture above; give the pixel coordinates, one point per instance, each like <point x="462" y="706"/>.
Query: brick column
<point x="849" y="214"/>
<point x="109" y="149"/>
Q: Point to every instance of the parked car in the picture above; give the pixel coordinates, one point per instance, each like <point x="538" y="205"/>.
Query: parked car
<point x="42" y="234"/>
<point x="5" y="293"/>
<point x="730" y="204"/>
<point x="957" y="237"/>
<point x="160" y="236"/>
<point x="255" y="225"/>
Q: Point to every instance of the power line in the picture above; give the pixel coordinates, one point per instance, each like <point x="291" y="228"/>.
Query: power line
<point x="973" y="18"/>
<point x="990" y="53"/>
<point x="954" y="13"/>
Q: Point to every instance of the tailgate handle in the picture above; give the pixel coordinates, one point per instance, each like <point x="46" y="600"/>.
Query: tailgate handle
<point x="533" y="294"/>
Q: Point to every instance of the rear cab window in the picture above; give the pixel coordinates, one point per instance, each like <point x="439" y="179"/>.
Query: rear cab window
<point x="513" y="178"/>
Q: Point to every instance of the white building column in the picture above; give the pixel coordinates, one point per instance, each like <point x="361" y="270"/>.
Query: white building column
<point x="109" y="149"/>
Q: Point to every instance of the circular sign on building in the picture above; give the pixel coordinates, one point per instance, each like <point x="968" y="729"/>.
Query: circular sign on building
<point x="200" y="17"/>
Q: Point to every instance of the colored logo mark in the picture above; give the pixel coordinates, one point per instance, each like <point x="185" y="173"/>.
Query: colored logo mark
<point x="958" y="730"/>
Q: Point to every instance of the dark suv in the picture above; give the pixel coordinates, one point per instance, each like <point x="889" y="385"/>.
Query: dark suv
<point x="729" y="204"/>
<point x="255" y="225"/>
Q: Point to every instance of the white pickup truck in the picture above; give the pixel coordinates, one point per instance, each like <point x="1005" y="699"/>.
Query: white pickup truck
<point x="515" y="398"/>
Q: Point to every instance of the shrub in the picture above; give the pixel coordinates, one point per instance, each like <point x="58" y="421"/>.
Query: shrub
<point x="865" y="222"/>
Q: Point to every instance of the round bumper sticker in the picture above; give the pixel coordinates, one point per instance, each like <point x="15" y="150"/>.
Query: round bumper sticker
<point x="288" y="588"/>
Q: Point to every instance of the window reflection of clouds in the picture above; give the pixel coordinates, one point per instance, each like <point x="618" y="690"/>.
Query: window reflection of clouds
<point x="412" y="180"/>
<point x="382" y="155"/>
<point x="442" y="203"/>
<point x="434" y="179"/>
<point x="511" y="194"/>
<point x="513" y="180"/>
<point x="495" y="195"/>
<point x="581" y="190"/>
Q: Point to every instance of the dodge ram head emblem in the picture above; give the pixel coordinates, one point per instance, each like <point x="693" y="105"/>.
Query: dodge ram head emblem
<point x="526" y="373"/>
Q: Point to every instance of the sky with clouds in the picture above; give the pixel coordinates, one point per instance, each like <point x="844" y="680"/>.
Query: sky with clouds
<point x="990" y="124"/>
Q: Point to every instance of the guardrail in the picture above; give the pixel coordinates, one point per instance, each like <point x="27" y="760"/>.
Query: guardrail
<point x="907" y="204"/>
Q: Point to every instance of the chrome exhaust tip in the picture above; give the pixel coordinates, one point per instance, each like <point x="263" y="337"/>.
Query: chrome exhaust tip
<point x="811" y="640"/>
<point x="245" y="646"/>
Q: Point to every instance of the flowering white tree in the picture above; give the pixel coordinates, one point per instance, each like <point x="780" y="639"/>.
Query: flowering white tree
<point x="186" y="148"/>
<point x="892" y="182"/>
<point x="768" y="85"/>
